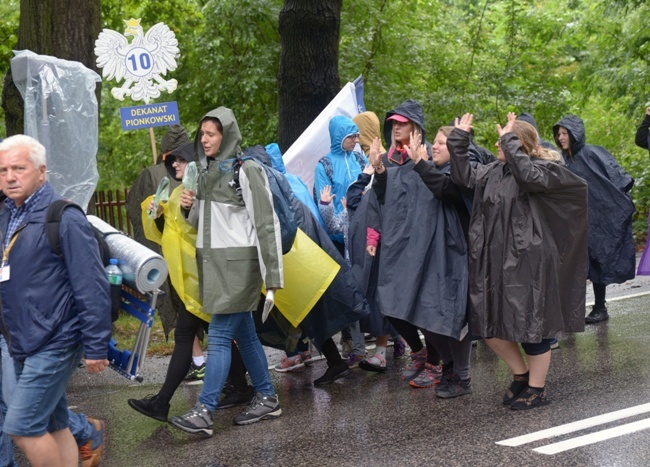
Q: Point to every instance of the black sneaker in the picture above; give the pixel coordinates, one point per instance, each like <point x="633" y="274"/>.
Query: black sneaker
<point x="195" y="373"/>
<point x="453" y="387"/>
<point x="151" y="406"/>
<point x="236" y="398"/>
<point x="333" y="373"/>
<point x="262" y="408"/>
<point x="197" y="420"/>
<point x="597" y="315"/>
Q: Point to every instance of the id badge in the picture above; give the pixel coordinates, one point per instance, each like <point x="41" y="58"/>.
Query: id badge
<point x="4" y="273"/>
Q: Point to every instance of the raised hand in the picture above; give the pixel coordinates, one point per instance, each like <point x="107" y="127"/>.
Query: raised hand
<point x="508" y="128"/>
<point x="465" y="122"/>
<point x="369" y="169"/>
<point x="374" y="156"/>
<point x="326" y="195"/>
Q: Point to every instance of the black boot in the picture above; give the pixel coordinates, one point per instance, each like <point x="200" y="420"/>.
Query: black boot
<point x="334" y="372"/>
<point x="598" y="314"/>
<point x="151" y="406"/>
<point x="234" y="397"/>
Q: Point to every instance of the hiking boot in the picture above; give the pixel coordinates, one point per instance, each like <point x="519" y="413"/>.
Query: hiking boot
<point x="598" y="314"/>
<point x="197" y="420"/>
<point x="289" y="364"/>
<point x="453" y="387"/>
<point x="333" y="373"/>
<point x="92" y="453"/>
<point x="262" y="408"/>
<point x="195" y="373"/>
<point x="376" y="363"/>
<point x="399" y="348"/>
<point x="518" y="385"/>
<point x="151" y="406"/>
<point x="353" y="360"/>
<point x="415" y="367"/>
<point x="306" y="357"/>
<point x="236" y="398"/>
<point x="530" y="398"/>
<point x="430" y="376"/>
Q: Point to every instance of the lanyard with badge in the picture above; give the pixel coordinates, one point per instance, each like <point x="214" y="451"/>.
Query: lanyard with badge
<point x="5" y="271"/>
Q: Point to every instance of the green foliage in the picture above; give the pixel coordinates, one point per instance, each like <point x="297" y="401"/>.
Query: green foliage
<point x="548" y="58"/>
<point x="9" y="17"/>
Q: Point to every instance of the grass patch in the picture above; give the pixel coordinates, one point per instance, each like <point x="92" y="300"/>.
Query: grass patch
<point x="126" y="328"/>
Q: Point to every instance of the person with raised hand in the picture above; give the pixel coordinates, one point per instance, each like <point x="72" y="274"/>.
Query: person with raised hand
<point x="528" y="261"/>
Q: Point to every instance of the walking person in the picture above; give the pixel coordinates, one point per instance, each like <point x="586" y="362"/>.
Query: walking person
<point x="238" y="248"/>
<point x="612" y="254"/>
<point x="54" y="307"/>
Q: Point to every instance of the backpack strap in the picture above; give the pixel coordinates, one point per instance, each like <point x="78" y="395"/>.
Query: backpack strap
<point x="53" y="222"/>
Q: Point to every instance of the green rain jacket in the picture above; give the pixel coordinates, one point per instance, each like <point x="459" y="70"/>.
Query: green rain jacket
<point x="238" y="243"/>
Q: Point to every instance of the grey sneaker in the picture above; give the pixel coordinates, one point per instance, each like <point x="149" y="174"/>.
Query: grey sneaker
<point x="262" y="407"/>
<point x="197" y="420"/>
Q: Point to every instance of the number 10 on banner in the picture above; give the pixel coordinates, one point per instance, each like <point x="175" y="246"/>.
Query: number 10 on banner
<point x="139" y="61"/>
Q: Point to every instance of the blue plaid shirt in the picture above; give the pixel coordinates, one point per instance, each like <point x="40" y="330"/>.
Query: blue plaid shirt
<point x="18" y="213"/>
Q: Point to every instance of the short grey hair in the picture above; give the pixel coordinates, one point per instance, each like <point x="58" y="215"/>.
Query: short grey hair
<point x="36" y="150"/>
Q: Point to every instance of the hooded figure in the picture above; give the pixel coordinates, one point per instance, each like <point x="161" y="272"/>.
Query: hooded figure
<point x="611" y="246"/>
<point x="369" y="129"/>
<point x="177" y="238"/>
<point x="145" y="185"/>
<point x="422" y="259"/>
<point x="340" y="167"/>
<point x="232" y="259"/>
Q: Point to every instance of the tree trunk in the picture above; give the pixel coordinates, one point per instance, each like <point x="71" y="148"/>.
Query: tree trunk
<point x="308" y="78"/>
<point x="64" y="29"/>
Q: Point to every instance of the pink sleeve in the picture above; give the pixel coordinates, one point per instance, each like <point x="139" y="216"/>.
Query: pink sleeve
<point x="372" y="237"/>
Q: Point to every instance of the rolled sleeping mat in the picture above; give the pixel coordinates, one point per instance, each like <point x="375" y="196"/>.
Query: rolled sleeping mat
<point x="141" y="268"/>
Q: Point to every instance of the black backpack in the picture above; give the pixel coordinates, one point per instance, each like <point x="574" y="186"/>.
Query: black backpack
<point x="282" y="199"/>
<point x="52" y="226"/>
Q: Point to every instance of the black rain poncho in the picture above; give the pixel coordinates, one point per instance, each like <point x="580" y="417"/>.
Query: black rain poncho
<point x="612" y="254"/>
<point x="528" y="243"/>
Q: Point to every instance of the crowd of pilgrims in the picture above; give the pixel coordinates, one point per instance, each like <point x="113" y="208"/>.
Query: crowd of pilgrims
<point x="439" y="242"/>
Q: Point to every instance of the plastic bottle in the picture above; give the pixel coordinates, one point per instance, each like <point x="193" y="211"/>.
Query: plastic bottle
<point x="114" y="273"/>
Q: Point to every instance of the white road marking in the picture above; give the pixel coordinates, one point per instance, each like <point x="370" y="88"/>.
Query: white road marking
<point x="576" y="426"/>
<point x="593" y="438"/>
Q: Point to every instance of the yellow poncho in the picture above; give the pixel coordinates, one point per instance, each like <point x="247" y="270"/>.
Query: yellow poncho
<point x="178" y="242"/>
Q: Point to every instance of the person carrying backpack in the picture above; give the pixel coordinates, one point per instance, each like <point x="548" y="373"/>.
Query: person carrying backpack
<point x="238" y="247"/>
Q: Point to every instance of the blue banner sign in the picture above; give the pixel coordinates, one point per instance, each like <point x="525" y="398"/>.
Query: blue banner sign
<point x="145" y="116"/>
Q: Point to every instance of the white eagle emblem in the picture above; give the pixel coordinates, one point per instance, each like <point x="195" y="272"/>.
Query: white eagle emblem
<point x="147" y="58"/>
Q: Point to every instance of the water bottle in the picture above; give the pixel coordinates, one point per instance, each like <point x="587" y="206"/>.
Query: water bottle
<point x="114" y="273"/>
<point x="115" y="278"/>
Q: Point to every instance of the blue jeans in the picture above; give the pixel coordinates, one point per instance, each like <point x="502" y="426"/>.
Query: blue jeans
<point x="7" y="386"/>
<point x="39" y="404"/>
<point x="222" y="331"/>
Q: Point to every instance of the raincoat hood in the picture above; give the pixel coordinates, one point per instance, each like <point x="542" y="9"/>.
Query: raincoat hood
<point x="410" y="109"/>
<point x="528" y="118"/>
<point x="186" y="151"/>
<point x="273" y="150"/>
<point x="173" y="138"/>
<point x="340" y="128"/>
<point x="576" y="129"/>
<point x="231" y="138"/>
<point x="369" y="129"/>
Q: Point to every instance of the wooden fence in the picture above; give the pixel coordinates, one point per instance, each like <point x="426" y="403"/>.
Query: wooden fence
<point x="110" y="206"/>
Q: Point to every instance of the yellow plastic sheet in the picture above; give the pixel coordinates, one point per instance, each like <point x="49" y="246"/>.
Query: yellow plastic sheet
<point x="178" y="242"/>
<point x="308" y="272"/>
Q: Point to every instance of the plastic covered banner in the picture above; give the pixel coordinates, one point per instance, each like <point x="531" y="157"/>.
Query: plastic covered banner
<point x="61" y="112"/>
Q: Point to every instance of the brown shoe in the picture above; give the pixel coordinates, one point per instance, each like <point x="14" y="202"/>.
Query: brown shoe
<point x="92" y="453"/>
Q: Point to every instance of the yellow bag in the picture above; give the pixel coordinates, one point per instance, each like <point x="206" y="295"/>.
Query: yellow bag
<point x="308" y="272"/>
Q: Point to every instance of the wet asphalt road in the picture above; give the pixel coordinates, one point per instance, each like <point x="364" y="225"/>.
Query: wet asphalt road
<point x="371" y="419"/>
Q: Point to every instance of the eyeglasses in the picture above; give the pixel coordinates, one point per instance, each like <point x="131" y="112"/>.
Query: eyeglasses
<point x="354" y="136"/>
